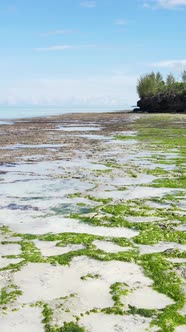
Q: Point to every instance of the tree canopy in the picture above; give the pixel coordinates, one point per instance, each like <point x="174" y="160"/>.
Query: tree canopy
<point x="149" y="85"/>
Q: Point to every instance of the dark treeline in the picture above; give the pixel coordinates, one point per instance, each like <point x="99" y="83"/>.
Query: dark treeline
<point x="152" y="84"/>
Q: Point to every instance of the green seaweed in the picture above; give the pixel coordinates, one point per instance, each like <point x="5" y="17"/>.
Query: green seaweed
<point x="67" y="327"/>
<point x="8" y="295"/>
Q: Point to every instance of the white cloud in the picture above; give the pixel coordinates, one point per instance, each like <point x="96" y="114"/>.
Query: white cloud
<point x="55" y="48"/>
<point x="88" y="4"/>
<point x="68" y="47"/>
<point x="166" y="4"/>
<point x="178" y="65"/>
<point x="57" y="32"/>
<point x="114" y="91"/>
<point x="121" y="22"/>
<point x="171" y="3"/>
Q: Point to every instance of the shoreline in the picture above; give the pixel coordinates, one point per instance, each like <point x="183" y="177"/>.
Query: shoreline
<point x="93" y="202"/>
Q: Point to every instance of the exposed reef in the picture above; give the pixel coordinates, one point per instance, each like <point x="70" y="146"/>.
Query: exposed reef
<point x="162" y="103"/>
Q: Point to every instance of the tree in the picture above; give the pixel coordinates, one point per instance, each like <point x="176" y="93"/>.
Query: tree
<point x="159" y="82"/>
<point x="183" y="76"/>
<point x="170" y="80"/>
<point x="150" y="84"/>
<point x="145" y="86"/>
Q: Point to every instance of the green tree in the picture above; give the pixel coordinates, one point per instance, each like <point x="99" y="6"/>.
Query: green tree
<point x="150" y="84"/>
<point x="159" y="82"/>
<point x="170" y="80"/>
<point x="183" y="76"/>
<point x="146" y="85"/>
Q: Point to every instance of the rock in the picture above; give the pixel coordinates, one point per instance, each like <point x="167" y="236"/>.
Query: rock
<point x="163" y="103"/>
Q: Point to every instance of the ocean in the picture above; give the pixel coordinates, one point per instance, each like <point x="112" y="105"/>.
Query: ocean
<point x="18" y="112"/>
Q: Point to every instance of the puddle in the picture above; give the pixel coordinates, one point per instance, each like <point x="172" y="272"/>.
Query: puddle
<point x="6" y="123"/>
<point x="133" y="193"/>
<point x="98" y="137"/>
<point x="33" y="146"/>
<point x="141" y="219"/>
<point x="152" y="165"/>
<point x="125" y="142"/>
<point x="84" y="164"/>
<point x="67" y="208"/>
<point x="78" y="128"/>
<point x="14" y="206"/>
<point x="128" y="181"/>
<point x="44" y="188"/>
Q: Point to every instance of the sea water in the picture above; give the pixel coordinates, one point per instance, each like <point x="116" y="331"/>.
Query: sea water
<point x="18" y="112"/>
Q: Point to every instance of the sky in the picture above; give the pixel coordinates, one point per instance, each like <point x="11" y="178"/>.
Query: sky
<point x="77" y="53"/>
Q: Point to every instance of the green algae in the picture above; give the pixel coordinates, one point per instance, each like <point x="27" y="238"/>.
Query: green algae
<point x="71" y="238"/>
<point x="70" y="327"/>
<point x="5" y="230"/>
<point x="47" y="314"/>
<point x="166" y="281"/>
<point x="176" y="182"/>
<point x="9" y="294"/>
<point x="99" y="200"/>
<point x="141" y="311"/>
<point x="117" y="290"/>
<point x="155" y="266"/>
<point x="124" y="137"/>
<point x="65" y="259"/>
<point x="30" y="253"/>
<point x="154" y="234"/>
<point x="157" y="171"/>
<point x="90" y="276"/>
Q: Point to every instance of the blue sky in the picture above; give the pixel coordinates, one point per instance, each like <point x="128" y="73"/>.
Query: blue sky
<point x="87" y="53"/>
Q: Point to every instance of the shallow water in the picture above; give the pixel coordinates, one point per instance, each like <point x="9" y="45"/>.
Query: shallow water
<point x="31" y="146"/>
<point x="6" y="122"/>
<point x="78" y="128"/>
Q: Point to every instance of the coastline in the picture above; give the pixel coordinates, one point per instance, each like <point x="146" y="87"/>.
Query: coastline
<point x="93" y="202"/>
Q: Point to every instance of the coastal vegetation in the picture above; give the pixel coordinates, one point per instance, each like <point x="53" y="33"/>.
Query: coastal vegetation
<point x="159" y="95"/>
<point x="149" y="85"/>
